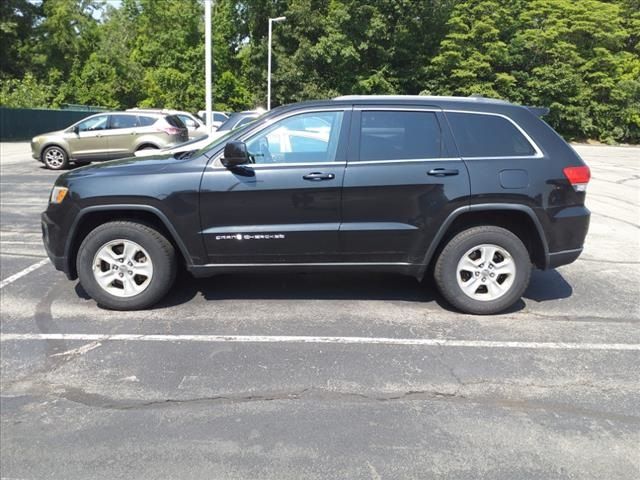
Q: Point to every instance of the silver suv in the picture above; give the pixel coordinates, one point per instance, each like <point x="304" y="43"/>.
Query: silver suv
<point x="107" y="136"/>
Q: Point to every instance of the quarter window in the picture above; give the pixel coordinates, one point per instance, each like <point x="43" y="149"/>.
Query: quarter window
<point x="146" y="121"/>
<point x="304" y="138"/>
<point x="480" y="135"/>
<point x="401" y="135"/>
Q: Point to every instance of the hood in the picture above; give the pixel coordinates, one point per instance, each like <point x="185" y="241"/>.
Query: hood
<point x="50" y="134"/>
<point x="125" y="166"/>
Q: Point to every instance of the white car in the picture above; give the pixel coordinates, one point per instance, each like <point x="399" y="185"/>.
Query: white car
<point x="218" y="118"/>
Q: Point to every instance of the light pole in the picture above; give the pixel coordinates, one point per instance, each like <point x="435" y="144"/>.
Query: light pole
<point x="207" y="60"/>
<point x="271" y="22"/>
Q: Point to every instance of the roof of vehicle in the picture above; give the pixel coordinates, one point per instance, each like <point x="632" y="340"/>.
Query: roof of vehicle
<point x="421" y="98"/>
<point x="472" y="103"/>
<point x="166" y="111"/>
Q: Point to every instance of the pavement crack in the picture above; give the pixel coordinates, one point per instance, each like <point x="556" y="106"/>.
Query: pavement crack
<point x="92" y="400"/>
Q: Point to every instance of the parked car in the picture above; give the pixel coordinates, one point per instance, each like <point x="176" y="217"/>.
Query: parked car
<point x="472" y="191"/>
<point x="239" y="119"/>
<point x="217" y="118"/>
<point x="106" y="136"/>
<point x="280" y="141"/>
<point x="197" y="129"/>
<point x="191" y="145"/>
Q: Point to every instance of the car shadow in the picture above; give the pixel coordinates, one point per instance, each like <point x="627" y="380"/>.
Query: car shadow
<point x="547" y="285"/>
<point x="300" y="286"/>
<point x="544" y="286"/>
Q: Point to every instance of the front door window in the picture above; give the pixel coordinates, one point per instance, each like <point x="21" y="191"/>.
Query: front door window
<point x="305" y="138"/>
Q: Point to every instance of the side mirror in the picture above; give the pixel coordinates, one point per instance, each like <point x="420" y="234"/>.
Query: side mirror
<point x="235" y="153"/>
<point x="76" y="129"/>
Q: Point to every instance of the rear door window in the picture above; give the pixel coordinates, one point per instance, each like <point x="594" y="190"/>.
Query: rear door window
<point x="123" y="121"/>
<point x="484" y="135"/>
<point x="399" y="135"/>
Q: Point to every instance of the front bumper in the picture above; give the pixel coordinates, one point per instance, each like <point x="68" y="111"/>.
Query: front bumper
<point x="53" y="239"/>
<point x="36" y="151"/>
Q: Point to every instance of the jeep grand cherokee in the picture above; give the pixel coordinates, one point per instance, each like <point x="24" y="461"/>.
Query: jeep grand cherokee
<point x="472" y="191"/>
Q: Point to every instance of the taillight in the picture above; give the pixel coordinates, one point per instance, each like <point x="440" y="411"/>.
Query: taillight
<point x="170" y="130"/>
<point x="578" y="177"/>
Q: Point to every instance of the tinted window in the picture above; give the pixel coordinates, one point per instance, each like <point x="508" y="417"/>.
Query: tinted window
<point x="488" y="136"/>
<point x="146" y="121"/>
<point x="244" y="121"/>
<point x="308" y="137"/>
<point x="174" y="121"/>
<point x="399" y="135"/>
<point x="123" y="121"/>
<point x="94" y="123"/>
<point x="218" y="117"/>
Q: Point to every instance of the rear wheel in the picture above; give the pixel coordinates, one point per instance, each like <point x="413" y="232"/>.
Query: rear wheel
<point x="126" y="265"/>
<point x="55" y="158"/>
<point x="483" y="270"/>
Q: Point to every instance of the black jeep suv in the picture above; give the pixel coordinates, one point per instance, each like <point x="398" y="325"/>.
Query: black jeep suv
<point x="470" y="190"/>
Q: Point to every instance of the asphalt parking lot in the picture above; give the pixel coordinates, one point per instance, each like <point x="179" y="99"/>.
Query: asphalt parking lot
<point x="323" y="376"/>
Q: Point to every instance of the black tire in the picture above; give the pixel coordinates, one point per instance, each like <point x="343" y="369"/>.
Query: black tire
<point x="446" y="270"/>
<point x="55" y="158"/>
<point x="162" y="257"/>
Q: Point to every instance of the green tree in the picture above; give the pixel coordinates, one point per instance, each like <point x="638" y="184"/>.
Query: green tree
<point x="17" y="20"/>
<point x="26" y="92"/>
<point x="569" y="56"/>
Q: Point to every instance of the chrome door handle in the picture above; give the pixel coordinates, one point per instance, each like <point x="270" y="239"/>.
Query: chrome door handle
<point x="317" y="176"/>
<point x="443" y="172"/>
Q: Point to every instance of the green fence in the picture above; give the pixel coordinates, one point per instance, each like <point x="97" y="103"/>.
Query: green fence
<point x="25" y="123"/>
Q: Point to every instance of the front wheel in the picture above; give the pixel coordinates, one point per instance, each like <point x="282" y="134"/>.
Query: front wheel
<point x="55" y="158"/>
<point x="483" y="270"/>
<point x="126" y="265"/>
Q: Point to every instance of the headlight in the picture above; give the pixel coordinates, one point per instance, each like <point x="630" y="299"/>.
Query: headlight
<point x="58" y="194"/>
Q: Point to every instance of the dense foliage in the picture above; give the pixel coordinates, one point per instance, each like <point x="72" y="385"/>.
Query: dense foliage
<point x="580" y="58"/>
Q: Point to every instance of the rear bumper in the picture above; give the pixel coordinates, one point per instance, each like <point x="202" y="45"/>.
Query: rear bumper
<point x="565" y="257"/>
<point x="567" y="232"/>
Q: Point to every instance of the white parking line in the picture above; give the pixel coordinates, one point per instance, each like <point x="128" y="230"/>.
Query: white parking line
<point x="23" y="204"/>
<point x="22" y="273"/>
<point x="19" y="242"/>
<point x="426" y="342"/>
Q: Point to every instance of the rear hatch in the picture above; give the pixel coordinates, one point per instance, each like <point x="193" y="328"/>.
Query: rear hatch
<point x="177" y="128"/>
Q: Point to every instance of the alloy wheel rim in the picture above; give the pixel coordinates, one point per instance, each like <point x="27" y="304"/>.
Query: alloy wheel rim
<point x="486" y="272"/>
<point x="54" y="157"/>
<point x="122" y="268"/>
